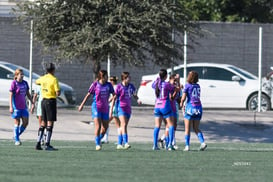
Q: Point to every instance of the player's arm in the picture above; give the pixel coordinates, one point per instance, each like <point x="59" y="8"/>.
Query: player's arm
<point x="84" y="101"/>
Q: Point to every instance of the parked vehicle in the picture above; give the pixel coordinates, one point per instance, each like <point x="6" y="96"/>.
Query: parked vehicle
<point x="222" y="86"/>
<point x="67" y="97"/>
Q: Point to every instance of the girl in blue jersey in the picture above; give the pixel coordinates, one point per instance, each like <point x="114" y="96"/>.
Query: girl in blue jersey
<point x="101" y="90"/>
<point x="192" y="110"/>
<point x="124" y="92"/>
<point x="19" y="89"/>
<point x="165" y="92"/>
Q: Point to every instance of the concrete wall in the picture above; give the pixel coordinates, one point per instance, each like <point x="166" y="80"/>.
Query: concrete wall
<point x="232" y="43"/>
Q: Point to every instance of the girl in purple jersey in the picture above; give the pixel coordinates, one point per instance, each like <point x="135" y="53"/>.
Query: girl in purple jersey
<point x="113" y="81"/>
<point x="101" y="90"/>
<point x="193" y="110"/>
<point x="19" y="89"/>
<point x="174" y="80"/>
<point x="165" y="92"/>
<point x="124" y="92"/>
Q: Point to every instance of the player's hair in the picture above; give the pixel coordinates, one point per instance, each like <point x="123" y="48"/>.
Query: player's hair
<point x="172" y="76"/>
<point x="192" y="77"/>
<point x="124" y="75"/>
<point x="114" y="79"/>
<point x="50" y="67"/>
<point x="101" y="74"/>
<point x="17" y="72"/>
<point x="162" y="75"/>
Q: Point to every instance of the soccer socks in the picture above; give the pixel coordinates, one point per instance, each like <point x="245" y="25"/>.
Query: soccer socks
<point x="105" y="138"/>
<point x="48" y="134"/>
<point x="21" y="129"/>
<point x="125" y="138"/>
<point x="201" y="137"/>
<point x="97" y="140"/>
<point x="16" y="133"/>
<point x="120" y="138"/>
<point x="171" y="135"/>
<point x="187" y="140"/>
<point x="40" y="133"/>
<point x="156" y="132"/>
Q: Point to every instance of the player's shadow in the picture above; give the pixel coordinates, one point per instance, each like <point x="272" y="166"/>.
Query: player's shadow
<point x="227" y="131"/>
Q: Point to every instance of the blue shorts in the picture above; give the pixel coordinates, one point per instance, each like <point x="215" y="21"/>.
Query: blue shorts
<point x="99" y="115"/>
<point x="193" y="112"/>
<point x="162" y="112"/>
<point x="121" y="112"/>
<point x="19" y="113"/>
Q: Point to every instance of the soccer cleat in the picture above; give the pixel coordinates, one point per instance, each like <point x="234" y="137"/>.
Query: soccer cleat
<point x="203" y="146"/>
<point x="50" y="148"/>
<point x="119" y="147"/>
<point x="17" y="143"/>
<point x="98" y="147"/>
<point x="175" y="147"/>
<point x="156" y="148"/>
<point x="187" y="148"/>
<point x="127" y="146"/>
<point x="171" y="147"/>
<point x="38" y="146"/>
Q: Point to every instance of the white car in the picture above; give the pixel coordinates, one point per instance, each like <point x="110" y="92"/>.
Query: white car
<point x="66" y="99"/>
<point x="222" y="86"/>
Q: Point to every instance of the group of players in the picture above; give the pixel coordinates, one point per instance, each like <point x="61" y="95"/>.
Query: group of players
<point x="111" y="101"/>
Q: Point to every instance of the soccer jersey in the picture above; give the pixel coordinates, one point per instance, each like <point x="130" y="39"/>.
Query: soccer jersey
<point x="124" y="94"/>
<point x="165" y="88"/>
<point x="19" y="90"/>
<point x="193" y="94"/>
<point x="101" y="93"/>
<point x="40" y="98"/>
<point x="50" y="85"/>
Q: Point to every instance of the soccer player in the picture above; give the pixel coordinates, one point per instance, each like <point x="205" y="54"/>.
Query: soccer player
<point x="101" y="90"/>
<point x="38" y="97"/>
<point x="113" y="81"/>
<point x="19" y="89"/>
<point x="165" y="92"/>
<point x="50" y="90"/>
<point x="124" y="91"/>
<point x="192" y="110"/>
<point x="174" y="80"/>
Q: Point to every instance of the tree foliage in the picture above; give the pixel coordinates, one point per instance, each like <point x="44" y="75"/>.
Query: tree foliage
<point x="231" y="10"/>
<point x="131" y="32"/>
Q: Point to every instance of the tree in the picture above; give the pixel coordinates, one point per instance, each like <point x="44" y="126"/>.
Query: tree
<point x="231" y="10"/>
<point x="131" y="32"/>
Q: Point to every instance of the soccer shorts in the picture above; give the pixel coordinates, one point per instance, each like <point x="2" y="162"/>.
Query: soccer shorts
<point x="19" y="113"/>
<point x="49" y="110"/>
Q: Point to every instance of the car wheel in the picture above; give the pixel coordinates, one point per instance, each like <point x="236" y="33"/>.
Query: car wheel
<point x="252" y="104"/>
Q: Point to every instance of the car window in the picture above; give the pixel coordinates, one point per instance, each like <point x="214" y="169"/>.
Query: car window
<point x="247" y="75"/>
<point x="4" y="73"/>
<point x="179" y="71"/>
<point x="198" y="69"/>
<point x="26" y="72"/>
<point x="212" y="73"/>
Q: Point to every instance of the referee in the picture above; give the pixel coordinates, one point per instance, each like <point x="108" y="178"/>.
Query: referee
<point x="50" y="90"/>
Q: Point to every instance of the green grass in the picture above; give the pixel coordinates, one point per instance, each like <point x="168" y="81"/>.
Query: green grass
<point x="78" y="161"/>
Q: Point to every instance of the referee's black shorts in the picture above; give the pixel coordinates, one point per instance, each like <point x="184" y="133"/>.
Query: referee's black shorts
<point x="49" y="110"/>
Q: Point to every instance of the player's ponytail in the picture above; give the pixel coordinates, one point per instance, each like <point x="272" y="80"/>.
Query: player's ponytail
<point x="162" y="75"/>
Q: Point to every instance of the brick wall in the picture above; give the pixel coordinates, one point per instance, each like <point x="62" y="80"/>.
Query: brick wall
<point x="232" y="43"/>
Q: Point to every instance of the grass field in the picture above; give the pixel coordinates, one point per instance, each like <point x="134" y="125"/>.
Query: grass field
<point x="78" y="162"/>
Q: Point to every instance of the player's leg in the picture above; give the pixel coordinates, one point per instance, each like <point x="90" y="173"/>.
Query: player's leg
<point x="199" y="134"/>
<point x="187" y="134"/>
